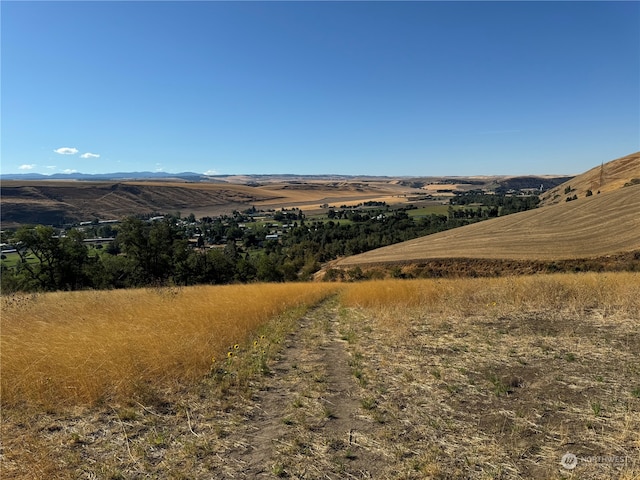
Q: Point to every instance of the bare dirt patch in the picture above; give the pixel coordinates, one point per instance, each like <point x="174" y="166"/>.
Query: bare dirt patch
<point x="506" y="396"/>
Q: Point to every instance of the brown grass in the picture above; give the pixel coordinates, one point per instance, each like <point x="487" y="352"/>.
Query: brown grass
<point x="466" y="296"/>
<point x="499" y="378"/>
<point x="458" y="378"/>
<point x="89" y="347"/>
<point x="607" y="177"/>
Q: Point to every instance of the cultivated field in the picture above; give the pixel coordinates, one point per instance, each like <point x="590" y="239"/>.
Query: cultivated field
<point x="67" y="201"/>
<point x="57" y="202"/>
<point x="465" y="378"/>
<point x="589" y="227"/>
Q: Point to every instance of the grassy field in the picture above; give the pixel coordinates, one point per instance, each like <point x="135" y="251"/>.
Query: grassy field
<point x="462" y="378"/>
<point x="603" y="178"/>
<point x="93" y="347"/>
<point x="500" y="378"/>
<point x="430" y="210"/>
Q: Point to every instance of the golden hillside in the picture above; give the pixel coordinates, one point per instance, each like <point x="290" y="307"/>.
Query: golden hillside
<point x="58" y="202"/>
<point x="603" y="178"/>
<point x="589" y="227"/>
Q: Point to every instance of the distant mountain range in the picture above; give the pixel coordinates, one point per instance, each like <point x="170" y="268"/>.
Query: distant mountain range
<point x="506" y="181"/>
<point x="104" y="176"/>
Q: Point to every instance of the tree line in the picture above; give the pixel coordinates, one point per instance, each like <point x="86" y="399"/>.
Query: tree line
<point x="164" y="252"/>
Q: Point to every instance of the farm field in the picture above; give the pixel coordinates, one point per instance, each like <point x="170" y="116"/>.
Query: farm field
<point x="71" y="201"/>
<point x="589" y="227"/>
<point x="461" y="378"/>
<point x="57" y="202"/>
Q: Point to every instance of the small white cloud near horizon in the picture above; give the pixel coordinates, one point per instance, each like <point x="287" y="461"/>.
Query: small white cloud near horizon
<point x="27" y="166"/>
<point x="66" y="150"/>
<point x="69" y="170"/>
<point x="90" y="155"/>
<point x="210" y="172"/>
<point x="51" y="167"/>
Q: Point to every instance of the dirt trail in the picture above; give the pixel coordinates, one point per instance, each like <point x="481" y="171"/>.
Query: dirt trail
<point x="309" y="420"/>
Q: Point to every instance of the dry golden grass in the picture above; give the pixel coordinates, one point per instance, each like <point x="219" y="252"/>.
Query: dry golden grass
<point x="590" y="227"/>
<point x="499" y="378"/>
<point x="610" y="176"/>
<point x="89" y="347"/>
<point x="466" y="296"/>
<point x="461" y="378"/>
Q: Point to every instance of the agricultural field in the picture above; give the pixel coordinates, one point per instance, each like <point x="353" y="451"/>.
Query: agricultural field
<point x="595" y="226"/>
<point x="458" y="378"/>
<point x="60" y="202"/>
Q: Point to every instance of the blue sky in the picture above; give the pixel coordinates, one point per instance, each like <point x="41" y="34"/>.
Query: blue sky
<point x="375" y="88"/>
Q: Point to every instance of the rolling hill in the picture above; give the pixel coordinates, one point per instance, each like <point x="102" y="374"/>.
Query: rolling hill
<point x="58" y="202"/>
<point x="594" y="226"/>
<point x="603" y="178"/>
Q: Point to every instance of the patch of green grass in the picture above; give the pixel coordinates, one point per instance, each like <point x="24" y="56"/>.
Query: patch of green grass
<point x="277" y="469"/>
<point x="499" y="387"/>
<point x="454" y="388"/>
<point x="348" y="335"/>
<point x="430" y="210"/>
<point x="368" y="403"/>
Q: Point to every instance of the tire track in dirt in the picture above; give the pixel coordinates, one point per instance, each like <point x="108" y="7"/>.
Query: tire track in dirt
<point x="308" y="420"/>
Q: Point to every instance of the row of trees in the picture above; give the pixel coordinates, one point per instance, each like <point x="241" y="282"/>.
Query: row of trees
<point x="498" y="204"/>
<point x="159" y="253"/>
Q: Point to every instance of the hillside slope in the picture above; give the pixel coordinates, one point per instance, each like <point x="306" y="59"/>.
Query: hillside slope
<point x="65" y="202"/>
<point x="595" y="226"/>
<point x="59" y="202"/>
<point x="607" y="177"/>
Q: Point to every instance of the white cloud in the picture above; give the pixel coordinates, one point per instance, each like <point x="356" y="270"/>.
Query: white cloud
<point x="69" y="170"/>
<point x="89" y="155"/>
<point x="210" y="172"/>
<point x="66" y="150"/>
<point x="27" y="166"/>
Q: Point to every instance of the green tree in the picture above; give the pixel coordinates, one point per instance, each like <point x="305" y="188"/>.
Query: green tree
<point x="152" y="249"/>
<point x="61" y="260"/>
<point x="267" y="269"/>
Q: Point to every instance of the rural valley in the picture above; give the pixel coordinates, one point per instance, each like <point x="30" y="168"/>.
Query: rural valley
<point x="400" y="328"/>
